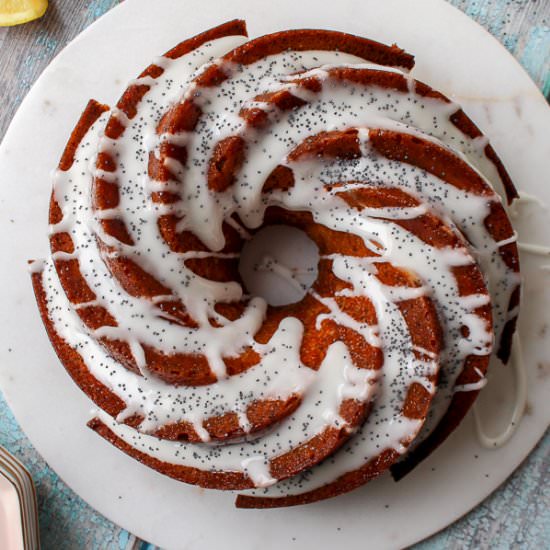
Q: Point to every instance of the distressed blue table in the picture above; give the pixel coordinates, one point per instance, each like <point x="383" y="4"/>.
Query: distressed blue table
<point x="517" y="515"/>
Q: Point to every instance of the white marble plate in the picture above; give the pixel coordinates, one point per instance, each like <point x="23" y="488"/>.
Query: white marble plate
<point x="454" y="55"/>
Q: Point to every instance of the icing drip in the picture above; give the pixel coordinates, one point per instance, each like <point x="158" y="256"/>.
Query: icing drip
<point x="493" y="442"/>
<point x="515" y="213"/>
<point x="537" y="249"/>
<point x="257" y="469"/>
<point x="474" y="386"/>
<point x="524" y="199"/>
<point x="36" y="266"/>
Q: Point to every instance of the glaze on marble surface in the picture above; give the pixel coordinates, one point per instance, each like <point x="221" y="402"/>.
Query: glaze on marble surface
<point x="507" y="537"/>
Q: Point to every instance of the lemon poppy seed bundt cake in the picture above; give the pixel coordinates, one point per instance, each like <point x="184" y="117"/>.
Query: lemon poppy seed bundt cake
<point x="416" y="285"/>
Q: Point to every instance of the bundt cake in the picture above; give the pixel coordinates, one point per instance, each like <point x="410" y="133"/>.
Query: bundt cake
<point x="417" y="281"/>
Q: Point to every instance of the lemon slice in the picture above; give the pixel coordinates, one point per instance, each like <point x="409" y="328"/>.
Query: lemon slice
<point x="15" y="12"/>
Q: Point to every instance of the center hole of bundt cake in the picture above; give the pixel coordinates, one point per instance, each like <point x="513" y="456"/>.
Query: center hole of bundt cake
<point x="279" y="264"/>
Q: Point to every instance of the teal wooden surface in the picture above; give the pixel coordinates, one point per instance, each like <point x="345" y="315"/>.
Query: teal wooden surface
<point x="517" y="515"/>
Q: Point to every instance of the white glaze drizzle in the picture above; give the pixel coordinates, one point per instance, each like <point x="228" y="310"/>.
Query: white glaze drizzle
<point x="203" y="213"/>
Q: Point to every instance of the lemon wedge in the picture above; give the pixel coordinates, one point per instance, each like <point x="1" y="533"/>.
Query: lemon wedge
<point x="15" y="12"/>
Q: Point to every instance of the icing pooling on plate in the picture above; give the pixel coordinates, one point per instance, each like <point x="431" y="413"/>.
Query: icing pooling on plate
<point x="518" y="410"/>
<point x="139" y="321"/>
